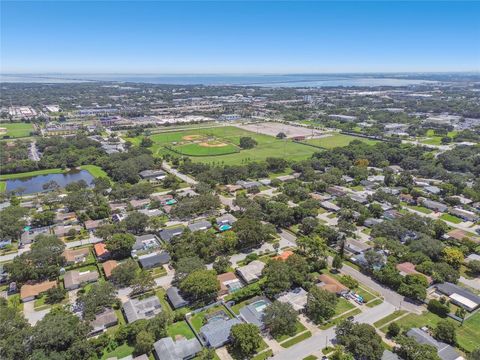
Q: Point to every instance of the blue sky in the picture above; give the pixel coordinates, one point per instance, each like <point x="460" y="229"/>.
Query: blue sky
<point x="239" y="37"/>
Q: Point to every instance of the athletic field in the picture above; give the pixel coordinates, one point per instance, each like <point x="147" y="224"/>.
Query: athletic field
<point x="221" y="145"/>
<point x="337" y="140"/>
<point x="15" y="130"/>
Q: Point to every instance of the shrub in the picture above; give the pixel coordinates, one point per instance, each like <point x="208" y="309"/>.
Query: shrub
<point x="393" y="329"/>
<point x="438" y="308"/>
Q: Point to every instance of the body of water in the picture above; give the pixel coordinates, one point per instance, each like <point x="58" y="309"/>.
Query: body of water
<point x="321" y="80"/>
<point x="34" y="184"/>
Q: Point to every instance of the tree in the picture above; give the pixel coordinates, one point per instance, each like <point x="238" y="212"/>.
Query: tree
<point x="349" y="281"/>
<point x="438" y="308"/>
<point x="452" y="256"/>
<point x="206" y="354"/>
<point x="308" y="225"/>
<point x="44" y="218"/>
<point x="277" y="278"/>
<point x="298" y="269"/>
<point x="474" y="266"/>
<point x="414" y="287"/>
<point x="15" y="332"/>
<point x="337" y="262"/>
<point x="222" y="264"/>
<point x="320" y="305"/>
<point x="245" y="340"/>
<point x="146" y="142"/>
<point x="393" y="329"/>
<point x="313" y="248"/>
<point x="246" y="142"/>
<point x="200" y="286"/>
<point x="120" y="245"/>
<point x="361" y="340"/>
<point x="55" y="295"/>
<point x="340" y="354"/>
<point x="101" y="184"/>
<point x="251" y="233"/>
<point x="186" y="265"/>
<point x="100" y="296"/>
<point x="281" y="135"/>
<point x="142" y="282"/>
<point x="143" y="343"/>
<point x="474" y="355"/>
<point x="445" y="331"/>
<point x="439" y="229"/>
<point x="124" y="274"/>
<point x="409" y="349"/>
<point x="136" y="222"/>
<point x="13" y="222"/>
<point x="280" y="319"/>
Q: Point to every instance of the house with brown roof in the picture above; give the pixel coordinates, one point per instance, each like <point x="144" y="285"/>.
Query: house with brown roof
<point x="30" y="292"/>
<point x="74" y="279"/>
<point x="331" y="284"/>
<point x="140" y="204"/>
<point x="92" y="225"/>
<point x="75" y="256"/>
<point x="228" y="283"/>
<point x="63" y="230"/>
<point x="108" y="267"/>
<point x="284" y="255"/>
<point x="62" y="217"/>
<point x="103" y="320"/>
<point x="407" y="268"/>
<point x="459" y="234"/>
<point x="101" y="251"/>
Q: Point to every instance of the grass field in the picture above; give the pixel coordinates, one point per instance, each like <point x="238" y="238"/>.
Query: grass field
<point x="388" y="318"/>
<point x="296" y="339"/>
<point x="268" y="146"/>
<point x="337" y="140"/>
<point x="467" y="334"/>
<point x="451" y="218"/>
<point x="180" y="328"/>
<point x="95" y="171"/>
<point x="420" y="209"/>
<point x="16" y="130"/>
<point x="195" y="149"/>
<point x="31" y="174"/>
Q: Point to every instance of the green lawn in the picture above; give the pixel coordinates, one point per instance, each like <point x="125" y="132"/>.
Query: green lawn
<point x="343" y="306"/>
<point x="3" y="186"/>
<point x="195" y="149"/>
<point x="264" y="355"/>
<point x="420" y="209"/>
<point x="339" y="319"/>
<point x="119" y="352"/>
<point x="95" y="171"/>
<point x="451" y="218"/>
<point x="197" y="320"/>
<point x="337" y="140"/>
<point x="299" y="328"/>
<point x="388" y="318"/>
<point x="296" y="339"/>
<point x="268" y="146"/>
<point x="16" y="130"/>
<point x="467" y="334"/>
<point x="375" y="303"/>
<point x="180" y="328"/>
<point x="310" y="357"/>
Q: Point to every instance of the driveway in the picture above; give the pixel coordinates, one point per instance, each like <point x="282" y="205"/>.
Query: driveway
<point x="178" y="174"/>
<point x="31" y="315"/>
<point x="91" y="240"/>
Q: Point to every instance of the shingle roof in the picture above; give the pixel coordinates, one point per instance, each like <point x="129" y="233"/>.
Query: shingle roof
<point x="200" y="225"/>
<point x="216" y="333"/>
<point x="252" y="271"/>
<point x="167" y="349"/>
<point x="27" y="291"/>
<point x="168" y="234"/>
<point x="445" y="351"/>
<point x="175" y="298"/>
<point x="136" y="309"/>
<point x="251" y="314"/>
<point x="449" y="289"/>
<point x="154" y="259"/>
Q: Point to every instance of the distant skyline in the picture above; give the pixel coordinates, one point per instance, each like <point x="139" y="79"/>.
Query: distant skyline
<point x="239" y="37"/>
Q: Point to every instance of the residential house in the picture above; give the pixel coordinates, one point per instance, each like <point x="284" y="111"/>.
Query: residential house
<point x="103" y="320"/>
<point x="29" y="292"/>
<point x="356" y="247"/>
<point x="65" y="218"/>
<point x="337" y="190"/>
<point x="296" y="297"/>
<point x="92" y="225"/>
<point x="444" y="351"/>
<point x="139" y="203"/>
<point x="76" y="256"/>
<point x="253" y="312"/>
<point x="284" y="255"/>
<point x="407" y="268"/>
<point x="108" y="267"/>
<point x="153" y="175"/>
<point x="150" y="261"/>
<point x="459" y="234"/>
<point x="135" y="309"/>
<point x="433" y="205"/>
<point x="228" y="283"/>
<point x="168" y="234"/>
<point x="101" y="251"/>
<point x="151" y="212"/>
<point x="199" y="225"/>
<point x="5" y="243"/>
<point x="391" y="214"/>
<point x="216" y="332"/>
<point x="371" y="222"/>
<point x="175" y="298"/>
<point x="226" y="219"/>
<point x="459" y="296"/>
<point x="251" y="272"/>
<point x="65" y="230"/>
<point x="183" y="349"/>
<point x="331" y="285"/>
<point x="435" y="190"/>
<point x="407" y="198"/>
<point x="73" y="279"/>
<point x="464" y="214"/>
<point x="248" y="184"/>
<point x="145" y="242"/>
<point x="116" y="218"/>
<point x="327" y="205"/>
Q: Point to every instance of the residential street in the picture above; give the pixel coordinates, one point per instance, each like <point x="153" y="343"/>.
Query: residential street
<point x="178" y="174"/>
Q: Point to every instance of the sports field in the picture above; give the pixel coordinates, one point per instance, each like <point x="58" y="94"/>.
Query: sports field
<point x="337" y="140"/>
<point x="15" y="130"/>
<point x="225" y="140"/>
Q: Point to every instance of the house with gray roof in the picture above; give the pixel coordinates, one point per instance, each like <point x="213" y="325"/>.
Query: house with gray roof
<point x="434" y="205"/>
<point x="200" y="225"/>
<point x="253" y="312"/>
<point x="73" y="279"/>
<point x="175" y="298"/>
<point x="216" y="332"/>
<point x="226" y="219"/>
<point x="145" y="242"/>
<point x="168" y="234"/>
<point x="444" y="351"/>
<point x="459" y="296"/>
<point x="168" y="349"/>
<point x="136" y="309"/>
<point x="103" y="320"/>
<point x="152" y="260"/>
<point x="251" y="272"/>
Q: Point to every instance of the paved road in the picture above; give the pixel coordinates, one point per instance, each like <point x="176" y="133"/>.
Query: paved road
<point x="178" y="174"/>
<point x="323" y="338"/>
<point x="33" y="154"/>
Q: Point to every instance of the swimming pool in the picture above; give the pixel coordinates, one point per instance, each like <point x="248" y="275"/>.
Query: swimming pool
<point x="225" y="227"/>
<point x="260" y="305"/>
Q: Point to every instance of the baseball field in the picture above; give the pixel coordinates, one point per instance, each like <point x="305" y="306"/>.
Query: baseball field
<point x="221" y="145"/>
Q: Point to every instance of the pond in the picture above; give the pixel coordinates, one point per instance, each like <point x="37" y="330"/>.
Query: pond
<point x="34" y="184"/>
